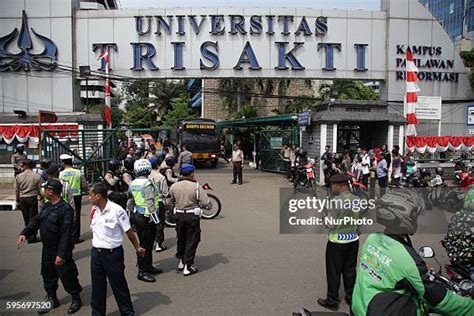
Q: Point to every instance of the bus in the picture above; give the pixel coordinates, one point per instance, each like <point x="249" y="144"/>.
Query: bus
<point x="201" y="138"/>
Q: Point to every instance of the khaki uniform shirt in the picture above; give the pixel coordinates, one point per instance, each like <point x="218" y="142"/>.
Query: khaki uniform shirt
<point x="28" y="183"/>
<point x="184" y="197"/>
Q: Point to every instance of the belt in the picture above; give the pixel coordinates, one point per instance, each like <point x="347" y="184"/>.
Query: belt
<point x="195" y="211"/>
<point x="105" y="250"/>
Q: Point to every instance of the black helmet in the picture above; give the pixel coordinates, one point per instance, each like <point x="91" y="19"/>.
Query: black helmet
<point x="424" y="172"/>
<point x="20" y="147"/>
<point x="45" y="163"/>
<point x="398" y="211"/>
<point x="170" y="161"/>
<point x="464" y="155"/>
<point x="128" y="163"/>
<point x="113" y="165"/>
<point x="439" y="171"/>
<point x="302" y="152"/>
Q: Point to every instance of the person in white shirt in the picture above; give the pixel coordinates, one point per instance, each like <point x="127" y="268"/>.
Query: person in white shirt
<point x="365" y="169"/>
<point x="108" y="223"/>
<point x="238" y="163"/>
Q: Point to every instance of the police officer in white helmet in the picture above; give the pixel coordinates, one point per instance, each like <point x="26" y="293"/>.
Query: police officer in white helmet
<point x="143" y="206"/>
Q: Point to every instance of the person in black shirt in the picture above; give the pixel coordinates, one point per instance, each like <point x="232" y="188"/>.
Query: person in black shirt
<point x="55" y="224"/>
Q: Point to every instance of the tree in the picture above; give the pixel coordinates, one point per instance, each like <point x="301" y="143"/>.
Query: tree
<point x="347" y="90"/>
<point x="179" y="110"/>
<point x="468" y="58"/>
<point x="147" y="101"/>
<point x="117" y="113"/>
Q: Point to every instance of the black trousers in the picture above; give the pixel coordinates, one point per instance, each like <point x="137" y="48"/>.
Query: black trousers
<point x="160" y="227"/>
<point x="237" y="171"/>
<point x="146" y="232"/>
<point x="341" y="259"/>
<point x="288" y="169"/>
<point x="51" y="273"/>
<point x="188" y="231"/>
<point x="109" y="264"/>
<point x="28" y="207"/>
<point x="76" y="227"/>
<point x="365" y="179"/>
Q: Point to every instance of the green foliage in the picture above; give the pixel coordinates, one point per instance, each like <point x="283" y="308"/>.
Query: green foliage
<point x="347" y="90"/>
<point x="117" y="114"/>
<point x="179" y="110"/>
<point x="468" y="58"/>
<point x="247" y="111"/>
<point x="147" y="101"/>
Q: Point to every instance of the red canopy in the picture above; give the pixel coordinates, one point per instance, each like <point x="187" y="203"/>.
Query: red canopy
<point x="433" y="144"/>
<point x="24" y="132"/>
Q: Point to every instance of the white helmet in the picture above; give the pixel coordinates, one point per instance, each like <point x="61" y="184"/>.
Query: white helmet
<point x="142" y="167"/>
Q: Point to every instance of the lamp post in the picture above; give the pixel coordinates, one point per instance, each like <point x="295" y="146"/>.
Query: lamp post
<point x="85" y="72"/>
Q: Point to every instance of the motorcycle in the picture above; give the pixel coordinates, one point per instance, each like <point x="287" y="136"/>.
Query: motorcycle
<point x="463" y="287"/>
<point x="211" y="211"/>
<point x="419" y="181"/>
<point x="460" y="166"/>
<point x="358" y="188"/>
<point x="452" y="199"/>
<point x="305" y="177"/>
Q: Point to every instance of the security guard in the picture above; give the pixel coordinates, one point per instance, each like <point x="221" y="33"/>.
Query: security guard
<point x="78" y="185"/>
<point x="343" y="243"/>
<point x="28" y="189"/>
<point x="188" y="198"/>
<point x="17" y="158"/>
<point x="144" y="204"/>
<point x="55" y="224"/>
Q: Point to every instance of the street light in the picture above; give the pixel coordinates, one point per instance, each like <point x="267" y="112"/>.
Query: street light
<point x="85" y="72"/>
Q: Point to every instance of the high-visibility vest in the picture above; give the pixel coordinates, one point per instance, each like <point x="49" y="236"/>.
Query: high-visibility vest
<point x="63" y="193"/>
<point x="137" y="190"/>
<point x="73" y="177"/>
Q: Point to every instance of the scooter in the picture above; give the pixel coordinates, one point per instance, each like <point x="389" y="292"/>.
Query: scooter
<point x="464" y="287"/>
<point x="358" y="188"/>
<point x="305" y="177"/>
<point x="452" y="199"/>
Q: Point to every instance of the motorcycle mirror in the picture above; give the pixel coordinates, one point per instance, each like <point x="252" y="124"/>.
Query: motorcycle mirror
<point x="426" y="252"/>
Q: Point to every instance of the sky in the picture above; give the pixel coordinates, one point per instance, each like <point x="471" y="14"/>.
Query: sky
<point x="339" y="4"/>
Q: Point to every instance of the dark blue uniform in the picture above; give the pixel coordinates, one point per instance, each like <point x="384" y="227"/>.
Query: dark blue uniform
<point x="55" y="225"/>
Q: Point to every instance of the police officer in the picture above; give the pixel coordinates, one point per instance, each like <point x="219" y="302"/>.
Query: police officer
<point x="159" y="181"/>
<point x="28" y="189"/>
<point x="168" y="171"/>
<point x="17" y="158"/>
<point x="55" y="224"/>
<point x="108" y="223"/>
<point x="113" y="179"/>
<point x="66" y="194"/>
<point x="78" y="184"/>
<point x="185" y="157"/>
<point x="343" y="243"/>
<point x="144" y="204"/>
<point x="188" y="198"/>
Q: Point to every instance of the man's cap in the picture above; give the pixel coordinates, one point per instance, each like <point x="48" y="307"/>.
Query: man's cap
<point x="187" y="169"/>
<point x="65" y="157"/>
<point x="339" y="178"/>
<point x="54" y="185"/>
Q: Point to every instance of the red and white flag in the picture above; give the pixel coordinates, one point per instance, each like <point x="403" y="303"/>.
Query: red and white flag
<point x="411" y="93"/>
<point x="108" y="113"/>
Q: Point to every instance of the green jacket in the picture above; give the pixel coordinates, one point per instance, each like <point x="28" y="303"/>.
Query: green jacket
<point x="392" y="280"/>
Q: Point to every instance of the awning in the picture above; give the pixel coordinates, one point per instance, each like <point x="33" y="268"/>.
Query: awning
<point x="434" y="144"/>
<point x="23" y="132"/>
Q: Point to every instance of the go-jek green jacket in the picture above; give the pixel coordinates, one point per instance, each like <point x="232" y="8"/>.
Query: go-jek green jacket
<point x="392" y="279"/>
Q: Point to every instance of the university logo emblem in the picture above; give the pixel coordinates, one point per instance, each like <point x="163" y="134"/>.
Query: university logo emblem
<point x="25" y="60"/>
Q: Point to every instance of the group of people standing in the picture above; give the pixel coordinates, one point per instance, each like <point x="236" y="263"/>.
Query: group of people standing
<point x="132" y="199"/>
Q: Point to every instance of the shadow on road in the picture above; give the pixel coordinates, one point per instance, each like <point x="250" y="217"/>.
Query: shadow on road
<point x="16" y="296"/>
<point x="202" y="262"/>
<point x="145" y="302"/>
<point x="5" y="272"/>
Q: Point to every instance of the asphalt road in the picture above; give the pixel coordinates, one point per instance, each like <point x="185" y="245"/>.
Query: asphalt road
<point x="246" y="265"/>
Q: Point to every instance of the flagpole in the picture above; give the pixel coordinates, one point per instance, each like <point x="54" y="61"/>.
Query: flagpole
<point x="108" y="118"/>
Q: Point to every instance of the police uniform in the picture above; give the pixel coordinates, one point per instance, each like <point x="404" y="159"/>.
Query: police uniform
<point x="16" y="159"/>
<point x="144" y="205"/>
<point x="188" y="197"/>
<point x="341" y="249"/>
<point x="160" y="182"/>
<point x="107" y="258"/>
<point x="78" y="183"/>
<point x="28" y="188"/>
<point x="55" y="225"/>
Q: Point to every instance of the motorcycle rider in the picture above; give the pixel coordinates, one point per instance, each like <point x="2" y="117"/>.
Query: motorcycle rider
<point x="392" y="279"/>
<point x="300" y="162"/>
<point x="144" y="204"/>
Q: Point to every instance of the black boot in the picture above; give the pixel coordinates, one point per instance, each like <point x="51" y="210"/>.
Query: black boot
<point x="324" y="303"/>
<point x="76" y="304"/>
<point x="54" y="304"/>
<point x="152" y="270"/>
